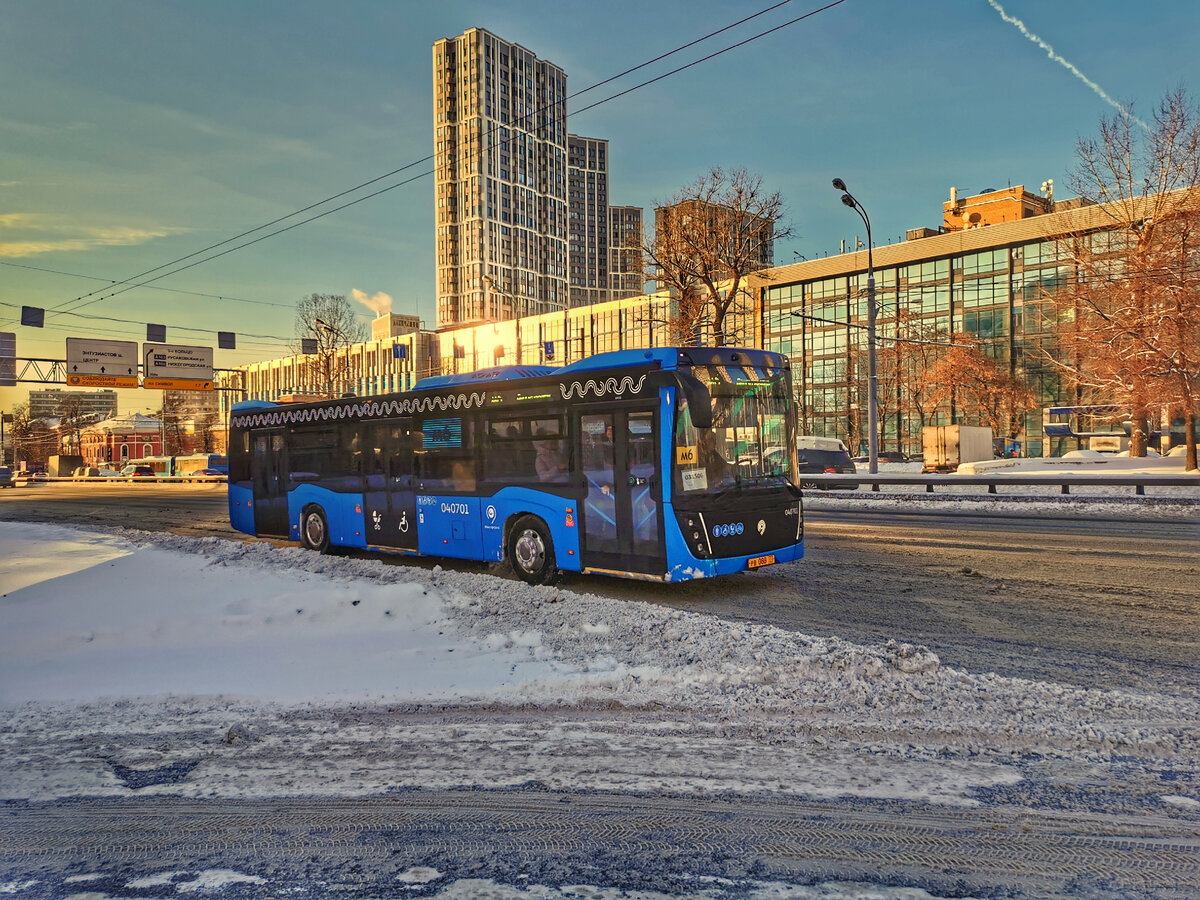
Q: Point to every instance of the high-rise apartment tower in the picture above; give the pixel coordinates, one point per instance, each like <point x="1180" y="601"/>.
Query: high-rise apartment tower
<point x="500" y="144"/>
<point x="587" y="209"/>
<point x="626" y="272"/>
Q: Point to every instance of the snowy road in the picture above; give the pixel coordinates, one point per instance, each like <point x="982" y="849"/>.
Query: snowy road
<point x="184" y="715"/>
<point x="533" y="836"/>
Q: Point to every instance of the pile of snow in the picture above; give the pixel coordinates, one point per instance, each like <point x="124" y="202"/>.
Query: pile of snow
<point x="1085" y="461"/>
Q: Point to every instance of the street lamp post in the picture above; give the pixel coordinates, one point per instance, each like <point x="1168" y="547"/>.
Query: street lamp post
<point x="872" y="378"/>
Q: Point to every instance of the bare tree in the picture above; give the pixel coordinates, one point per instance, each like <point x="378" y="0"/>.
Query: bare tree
<point x="206" y="427"/>
<point x="980" y="388"/>
<point x="71" y="421"/>
<point x="171" y="414"/>
<point x="907" y="352"/>
<point x="1128" y="324"/>
<point x="330" y="320"/>
<point x="34" y="442"/>
<point x="707" y="239"/>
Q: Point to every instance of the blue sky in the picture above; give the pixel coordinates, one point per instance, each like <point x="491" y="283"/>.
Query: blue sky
<point x="134" y="133"/>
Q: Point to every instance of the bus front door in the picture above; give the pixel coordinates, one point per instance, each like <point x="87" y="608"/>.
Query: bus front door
<point x="622" y="512"/>
<point x="268" y="472"/>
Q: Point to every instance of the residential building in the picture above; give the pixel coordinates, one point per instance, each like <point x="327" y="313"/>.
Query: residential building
<point x="587" y="205"/>
<point x="190" y="403"/>
<point x="48" y="403"/>
<point x="500" y="185"/>
<point x="393" y="325"/>
<point x="758" y="233"/>
<point x="626" y="270"/>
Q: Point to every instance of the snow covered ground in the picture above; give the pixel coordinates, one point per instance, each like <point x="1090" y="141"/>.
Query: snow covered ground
<point x="128" y="652"/>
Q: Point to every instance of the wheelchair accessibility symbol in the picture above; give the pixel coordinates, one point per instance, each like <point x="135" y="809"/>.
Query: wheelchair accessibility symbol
<point x="404" y="522"/>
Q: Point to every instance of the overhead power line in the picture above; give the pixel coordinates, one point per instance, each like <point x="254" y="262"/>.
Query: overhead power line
<point x="273" y="339"/>
<point x="156" y="287"/>
<point x="129" y="283"/>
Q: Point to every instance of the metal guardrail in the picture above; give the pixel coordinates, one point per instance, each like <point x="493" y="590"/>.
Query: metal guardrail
<point x="1065" y="481"/>
<point x="121" y="479"/>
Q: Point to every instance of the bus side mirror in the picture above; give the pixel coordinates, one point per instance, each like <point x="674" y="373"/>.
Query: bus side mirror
<point x="698" y="397"/>
<point x="699" y="401"/>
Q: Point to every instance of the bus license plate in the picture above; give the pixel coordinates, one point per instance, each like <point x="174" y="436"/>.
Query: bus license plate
<point x="757" y="561"/>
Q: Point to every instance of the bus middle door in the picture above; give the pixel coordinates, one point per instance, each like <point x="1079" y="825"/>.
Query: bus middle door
<point x="622" y="511"/>
<point x="391" y="508"/>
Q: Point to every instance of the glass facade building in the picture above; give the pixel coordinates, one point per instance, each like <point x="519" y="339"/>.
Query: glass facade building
<point x="990" y="282"/>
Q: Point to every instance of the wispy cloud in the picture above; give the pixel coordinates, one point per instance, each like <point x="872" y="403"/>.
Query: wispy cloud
<point x="1069" y="66"/>
<point x="61" y="238"/>
<point x="379" y="302"/>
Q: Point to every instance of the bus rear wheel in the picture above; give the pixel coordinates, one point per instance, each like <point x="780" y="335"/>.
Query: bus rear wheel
<point x="314" y="529"/>
<point x="531" y="551"/>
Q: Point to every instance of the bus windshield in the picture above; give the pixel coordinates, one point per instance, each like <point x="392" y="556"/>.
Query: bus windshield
<point x="750" y="443"/>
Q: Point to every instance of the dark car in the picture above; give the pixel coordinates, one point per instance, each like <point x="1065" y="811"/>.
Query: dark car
<point x="138" y="472"/>
<point x="824" y="457"/>
<point x="889" y="456"/>
<point x="6" y="477"/>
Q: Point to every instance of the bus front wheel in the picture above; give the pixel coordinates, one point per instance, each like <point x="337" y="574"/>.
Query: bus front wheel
<point x="531" y="551"/>
<point x="314" y="529"/>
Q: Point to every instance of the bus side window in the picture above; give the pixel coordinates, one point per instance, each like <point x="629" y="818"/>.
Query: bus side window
<point x="525" y="451"/>
<point x="447" y="460"/>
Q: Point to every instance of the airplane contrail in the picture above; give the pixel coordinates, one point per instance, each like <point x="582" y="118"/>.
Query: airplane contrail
<point x="1013" y="20"/>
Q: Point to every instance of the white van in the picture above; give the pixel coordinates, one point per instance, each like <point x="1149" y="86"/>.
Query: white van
<point x="813" y="442"/>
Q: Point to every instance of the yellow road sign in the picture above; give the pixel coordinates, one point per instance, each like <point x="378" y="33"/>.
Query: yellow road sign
<point x="111" y="381"/>
<point x="176" y="384"/>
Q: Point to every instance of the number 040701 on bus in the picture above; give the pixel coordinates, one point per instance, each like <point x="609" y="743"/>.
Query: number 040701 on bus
<point x="665" y="464"/>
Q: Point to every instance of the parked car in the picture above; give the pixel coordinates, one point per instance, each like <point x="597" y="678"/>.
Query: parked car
<point x="132" y="471"/>
<point x="890" y="456"/>
<point x="824" y="456"/>
<point x="207" y="475"/>
<point x="6" y="477"/>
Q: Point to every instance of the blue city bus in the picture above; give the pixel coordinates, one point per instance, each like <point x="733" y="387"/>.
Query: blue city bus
<point x="666" y="464"/>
